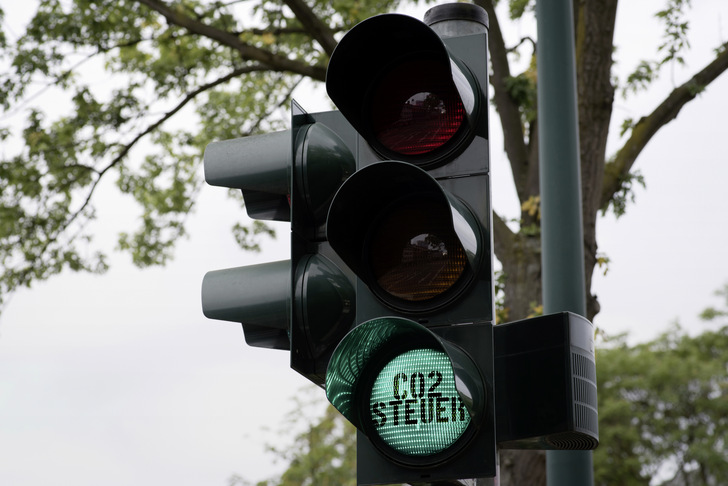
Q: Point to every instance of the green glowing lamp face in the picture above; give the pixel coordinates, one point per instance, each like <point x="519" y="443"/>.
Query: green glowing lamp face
<point x="414" y="405"/>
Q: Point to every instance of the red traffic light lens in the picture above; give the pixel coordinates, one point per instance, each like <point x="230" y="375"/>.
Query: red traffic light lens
<point x="414" y="255"/>
<point x="415" y="108"/>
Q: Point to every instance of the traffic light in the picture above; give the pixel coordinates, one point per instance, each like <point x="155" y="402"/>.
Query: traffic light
<point x="415" y="375"/>
<point x="387" y="300"/>
<point x="305" y="304"/>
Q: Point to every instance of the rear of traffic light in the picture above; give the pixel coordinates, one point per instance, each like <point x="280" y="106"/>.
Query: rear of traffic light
<point x="413" y="224"/>
<point x="305" y="304"/>
<point x="257" y="296"/>
<point x="323" y="289"/>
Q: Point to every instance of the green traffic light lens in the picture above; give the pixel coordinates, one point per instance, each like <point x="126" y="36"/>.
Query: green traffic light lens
<point x="415" y="408"/>
<point x="414" y="254"/>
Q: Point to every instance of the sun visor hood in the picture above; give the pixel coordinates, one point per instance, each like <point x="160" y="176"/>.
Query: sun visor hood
<point x="369" y="51"/>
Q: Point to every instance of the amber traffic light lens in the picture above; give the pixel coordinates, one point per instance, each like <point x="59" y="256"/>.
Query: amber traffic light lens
<point x="415" y="109"/>
<point x="414" y="253"/>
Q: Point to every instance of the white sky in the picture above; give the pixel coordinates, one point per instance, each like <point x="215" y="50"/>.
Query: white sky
<point x="119" y="379"/>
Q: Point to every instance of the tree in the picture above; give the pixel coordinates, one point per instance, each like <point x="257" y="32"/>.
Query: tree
<point x="324" y="453"/>
<point x="663" y="409"/>
<point x="231" y="66"/>
<point x="228" y="65"/>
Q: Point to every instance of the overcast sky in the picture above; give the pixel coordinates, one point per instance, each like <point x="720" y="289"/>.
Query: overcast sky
<point x="119" y="379"/>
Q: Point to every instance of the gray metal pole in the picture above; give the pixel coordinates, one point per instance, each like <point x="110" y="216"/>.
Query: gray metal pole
<point x="562" y="236"/>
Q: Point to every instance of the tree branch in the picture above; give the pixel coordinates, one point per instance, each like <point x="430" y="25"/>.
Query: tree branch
<point x="618" y="169"/>
<point x="67" y="73"/>
<point x="127" y="147"/>
<point x="273" y="61"/>
<point x="318" y="29"/>
<point x="503" y="236"/>
<point x="523" y="40"/>
<point x="510" y="116"/>
<point x="276" y="32"/>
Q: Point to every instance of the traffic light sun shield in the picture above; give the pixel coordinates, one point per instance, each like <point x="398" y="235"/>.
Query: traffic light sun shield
<point x="414" y="245"/>
<point x="417" y="397"/>
<point x="257" y="296"/>
<point x="413" y="101"/>
<point x="259" y="166"/>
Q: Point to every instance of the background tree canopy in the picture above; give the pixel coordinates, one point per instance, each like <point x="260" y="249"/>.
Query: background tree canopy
<point x="323" y="453"/>
<point x="141" y="86"/>
<point x="663" y="410"/>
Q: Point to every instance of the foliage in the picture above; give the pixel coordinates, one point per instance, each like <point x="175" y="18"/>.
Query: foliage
<point x="516" y="8"/>
<point x="671" y="50"/>
<point x="119" y="74"/>
<point x="522" y="89"/>
<point x="501" y="312"/>
<point x="626" y="192"/>
<point x="711" y="313"/>
<point x="663" y="409"/>
<point x="322" y="454"/>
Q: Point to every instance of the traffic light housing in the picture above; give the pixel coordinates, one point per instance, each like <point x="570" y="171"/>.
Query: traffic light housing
<point x="415" y="376"/>
<point x="387" y="300"/>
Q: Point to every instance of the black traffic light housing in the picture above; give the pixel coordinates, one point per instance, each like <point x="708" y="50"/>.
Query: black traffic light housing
<point x="546" y="384"/>
<point x="387" y="300"/>
<point x="413" y="224"/>
<point x="323" y="289"/>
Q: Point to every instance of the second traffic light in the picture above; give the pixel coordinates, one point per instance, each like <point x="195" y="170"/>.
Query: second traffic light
<point x="305" y="304"/>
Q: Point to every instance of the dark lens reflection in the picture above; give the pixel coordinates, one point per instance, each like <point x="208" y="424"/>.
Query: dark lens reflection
<point x="416" y="109"/>
<point x="415" y="255"/>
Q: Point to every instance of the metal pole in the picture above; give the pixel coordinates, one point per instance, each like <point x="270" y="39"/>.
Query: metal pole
<point x="562" y="236"/>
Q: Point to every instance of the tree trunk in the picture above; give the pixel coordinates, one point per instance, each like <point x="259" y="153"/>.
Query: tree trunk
<point x="520" y="253"/>
<point x="522" y="468"/>
<point x="522" y="267"/>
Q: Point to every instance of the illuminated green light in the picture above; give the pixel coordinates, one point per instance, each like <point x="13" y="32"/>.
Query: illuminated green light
<point x="414" y="405"/>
